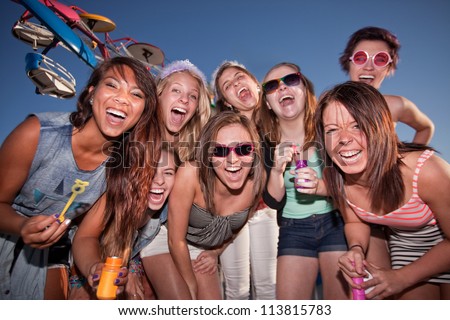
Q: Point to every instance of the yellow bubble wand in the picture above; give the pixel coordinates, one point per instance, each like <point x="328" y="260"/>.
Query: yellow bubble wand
<point x="78" y="188"/>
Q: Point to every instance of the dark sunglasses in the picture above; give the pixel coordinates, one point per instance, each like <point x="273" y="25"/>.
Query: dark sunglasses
<point x="241" y="150"/>
<point x="290" y="80"/>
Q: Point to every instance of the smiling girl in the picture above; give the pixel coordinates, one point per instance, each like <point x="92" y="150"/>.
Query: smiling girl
<point x="117" y="108"/>
<point x="249" y="262"/>
<point x="212" y="200"/>
<point x="373" y="178"/>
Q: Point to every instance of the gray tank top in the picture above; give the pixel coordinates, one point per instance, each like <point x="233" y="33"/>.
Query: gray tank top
<point x="54" y="171"/>
<point x="46" y="192"/>
<point x="207" y="230"/>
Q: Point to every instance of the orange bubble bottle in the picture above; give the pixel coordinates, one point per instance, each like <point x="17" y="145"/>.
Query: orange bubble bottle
<point x="106" y="288"/>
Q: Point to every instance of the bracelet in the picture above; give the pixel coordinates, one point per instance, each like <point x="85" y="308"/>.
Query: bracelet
<point x="135" y="266"/>
<point x="357" y="245"/>
<point x="76" y="282"/>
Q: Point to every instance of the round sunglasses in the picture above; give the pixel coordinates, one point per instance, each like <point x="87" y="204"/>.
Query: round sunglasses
<point x="379" y="60"/>
<point x="241" y="150"/>
<point x="290" y="80"/>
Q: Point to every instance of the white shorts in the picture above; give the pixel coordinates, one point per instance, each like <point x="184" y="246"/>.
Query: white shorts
<point x="159" y="245"/>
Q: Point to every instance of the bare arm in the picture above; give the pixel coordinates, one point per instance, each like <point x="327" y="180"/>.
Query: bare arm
<point x="388" y="282"/>
<point x="407" y="112"/>
<point x="15" y="162"/>
<point x="357" y="234"/>
<point x="435" y="172"/>
<point x="180" y="203"/>
<point x="282" y="155"/>
<point x="86" y="243"/>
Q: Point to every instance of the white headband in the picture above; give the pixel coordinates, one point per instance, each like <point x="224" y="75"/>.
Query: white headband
<point x="181" y="65"/>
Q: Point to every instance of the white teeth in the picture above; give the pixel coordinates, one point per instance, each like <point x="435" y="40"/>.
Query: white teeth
<point x="349" y="153"/>
<point x="180" y="110"/>
<point x="366" y="77"/>
<point x="285" y="97"/>
<point x="157" y="191"/>
<point x="234" y="169"/>
<point x="241" y="89"/>
<point x="116" y="112"/>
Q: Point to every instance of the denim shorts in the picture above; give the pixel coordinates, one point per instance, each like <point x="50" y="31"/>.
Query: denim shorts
<point x="307" y="237"/>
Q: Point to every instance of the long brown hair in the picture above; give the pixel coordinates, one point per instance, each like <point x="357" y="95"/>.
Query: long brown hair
<point x="130" y="167"/>
<point x="207" y="142"/>
<point x="369" y="109"/>
<point x="269" y="124"/>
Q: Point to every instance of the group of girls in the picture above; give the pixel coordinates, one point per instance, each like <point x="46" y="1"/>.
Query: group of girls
<point x="212" y="205"/>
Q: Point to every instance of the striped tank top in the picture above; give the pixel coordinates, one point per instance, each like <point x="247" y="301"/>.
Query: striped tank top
<point x="207" y="230"/>
<point x="414" y="214"/>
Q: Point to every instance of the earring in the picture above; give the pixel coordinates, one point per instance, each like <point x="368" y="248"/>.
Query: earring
<point x="91" y="101"/>
<point x="258" y="89"/>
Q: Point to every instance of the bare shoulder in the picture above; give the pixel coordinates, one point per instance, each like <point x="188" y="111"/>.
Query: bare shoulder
<point x="434" y="177"/>
<point x="396" y="105"/>
<point x="25" y="134"/>
<point x="28" y="130"/>
<point x="437" y="168"/>
<point x="16" y="156"/>
<point x="188" y="169"/>
<point x="187" y="177"/>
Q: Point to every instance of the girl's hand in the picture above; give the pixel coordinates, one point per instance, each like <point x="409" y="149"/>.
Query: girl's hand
<point x="385" y="282"/>
<point x="96" y="272"/>
<point x="283" y="154"/>
<point x="306" y="180"/>
<point x="43" y="231"/>
<point x="206" y="262"/>
<point x="351" y="264"/>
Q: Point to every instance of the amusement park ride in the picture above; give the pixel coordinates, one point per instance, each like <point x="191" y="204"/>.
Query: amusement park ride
<point x="46" y="24"/>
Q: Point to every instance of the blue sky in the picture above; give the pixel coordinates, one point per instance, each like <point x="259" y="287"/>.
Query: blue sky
<point x="259" y="34"/>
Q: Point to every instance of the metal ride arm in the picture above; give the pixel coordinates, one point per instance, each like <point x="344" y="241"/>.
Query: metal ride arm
<point x="61" y="30"/>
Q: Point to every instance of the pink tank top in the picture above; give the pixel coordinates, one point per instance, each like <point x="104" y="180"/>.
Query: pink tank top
<point x="415" y="213"/>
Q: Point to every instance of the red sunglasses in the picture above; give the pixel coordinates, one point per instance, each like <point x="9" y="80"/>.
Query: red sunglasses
<point x="380" y="59"/>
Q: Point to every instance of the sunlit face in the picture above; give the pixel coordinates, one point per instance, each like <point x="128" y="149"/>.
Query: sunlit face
<point x="239" y="89"/>
<point x="368" y="73"/>
<point x="163" y="181"/>
<point x="118" y="103"/>
<point x="232" y="171"/>
<point x="179" y="101"/>
<point x="287" y="102"/>
<point x="345" y="143"/>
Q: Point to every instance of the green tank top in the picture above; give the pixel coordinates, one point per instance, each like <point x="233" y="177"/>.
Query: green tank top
<point x="300" y="205"/>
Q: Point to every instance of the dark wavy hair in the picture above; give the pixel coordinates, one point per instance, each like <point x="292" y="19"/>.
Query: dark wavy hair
<point x="132" y="160"/>
<point x="371" y="33"/>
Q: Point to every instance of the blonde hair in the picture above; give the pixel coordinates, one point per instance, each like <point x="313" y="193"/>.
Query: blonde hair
<point x="190" y="133"/>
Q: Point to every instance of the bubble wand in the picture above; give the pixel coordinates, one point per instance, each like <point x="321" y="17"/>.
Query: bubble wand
<point x="78" y="188"/>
